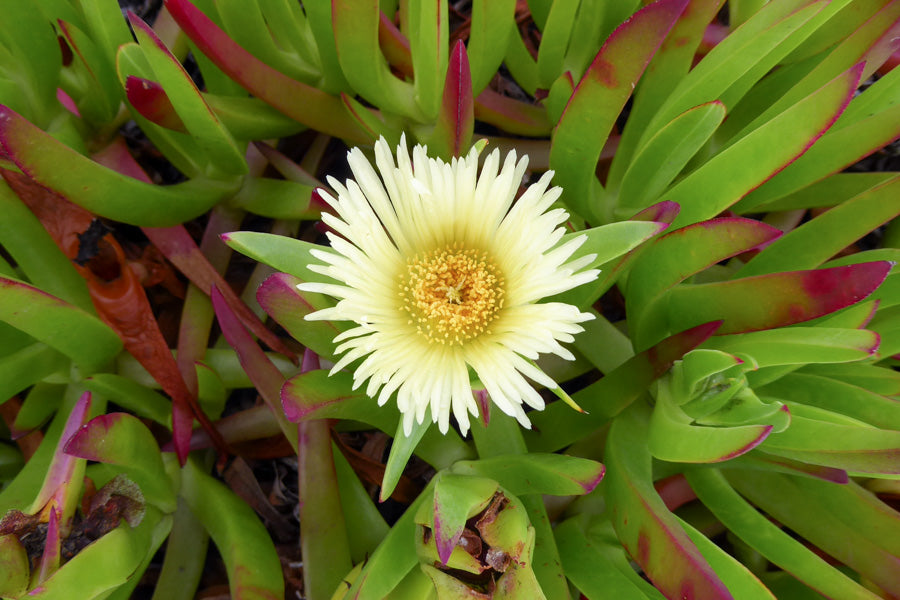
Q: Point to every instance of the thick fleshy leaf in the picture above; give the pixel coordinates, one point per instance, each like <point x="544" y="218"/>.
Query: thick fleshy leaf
<point x="316" y="395"/>
<point x="33" y="249"/>
<point x="599" y="97"/>
<point x="821" y="238"/>
<point x="799" y="504"/>
<point x="264" y="375"/>
<point x="757" y="459"/>
<point x="302" y="102"/>
<point x="456" y="499"/>
<point x="131" y="395"/>
<point x="837" y="396"/>
<point x="323" y="530"/>
<point x="659" y="161"/>
<point x="800" y="345"/>
<point x="33" y="363"/>
<point x="875" y="379"/>
<point x="456" y="118"/>
<point x="121" y="439"/>
<point x="282" y="253"/>
<point x="761" y="302"/>
<point x="101" y="190"/>
<point x="769" y="540"/>
<point x="493" y="22"/>
<point x="679" y="254"/>
<point x="669" y="66"/>
<point x="199" y="119"/>
<point x="651" y="534"/>
<point x="537" y="473"/>
<point x="841" y="445"/>
<point x="355" y="25"/>
<point x="401" y="449"/>
<point x="735" y="575"/>
<point x="58" y="324"/>
<point x="725" y="178"/>
<point x="558" y="425"/>
<point x="279" y="297"/>
<point x="675" y="438"/>
<point x="150" y="99"/>
<point x="254" y="570"/>
<point x="513" y="116"/>
<point x="14" y="567"/>
<point x="588" y="566"/>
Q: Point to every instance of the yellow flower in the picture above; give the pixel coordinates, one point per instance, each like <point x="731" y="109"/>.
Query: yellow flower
<point x="443" y="270"/>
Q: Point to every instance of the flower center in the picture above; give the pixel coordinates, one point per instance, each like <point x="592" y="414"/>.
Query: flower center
<point x="451" y="294"/>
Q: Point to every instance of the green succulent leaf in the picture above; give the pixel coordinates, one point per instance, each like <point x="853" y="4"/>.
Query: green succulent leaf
<point x="771" y="541"/>
<point x="537" y="473"/>
<point x="598" y="99"/>
<point x="651" y="534"/>
<point x="58" y="324"/>
<point x="249" y="554"/>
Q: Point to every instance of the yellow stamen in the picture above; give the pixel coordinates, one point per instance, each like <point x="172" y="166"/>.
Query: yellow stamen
<point x="452" y="294"/>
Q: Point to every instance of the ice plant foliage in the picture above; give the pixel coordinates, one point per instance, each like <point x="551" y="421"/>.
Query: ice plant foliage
<point x="443" y="271"/>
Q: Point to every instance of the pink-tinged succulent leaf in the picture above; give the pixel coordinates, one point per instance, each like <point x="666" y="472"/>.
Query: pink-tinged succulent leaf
<point x="649" y="532"/>
<point x="50" y="559"/>
<point x="595" y="566"/>
<point x="681" y="253"/>
<point x="355" y="25"/>
<point x="839" y="445"/>
<point x="59" y="477"/>
<point x="301" y="102"/>
<point x="178" y="246"/>
<point x="316" y="395"/>
<point x="101" y="190"/>
<point x="674" y="437"/>
<point x="800" y="345"/>
<point x="456" y="119"/>
<point x="456" y="499"/>
<point x="58" y="324"/>
<point x="251" y="560"/>
<point x="669" y="66"/>
<point x="761" y="302"/>
<point x="100" y="99"/>
<point x="599" y="97"/>
<point x="395" y="46"/>
<point x="871" y="43"/>
<point x="121" y="439"/>
<point x="769" y="539"/>
<point x="733" y="573"/>
<point x="725" y="178"/>
<point x="558" y="425"/>
<point x="150" y="100"/>
<point x="837" y="396"/>
<point x="14" y="567"/>
<point x="611" y="245"/>
<point x="859" y="531"/>
<point x="199" y="119"/>
<point x="819" y="239"/>
<point x="512" y="116"/>
<point x="659" y="161"/>
<point x="537" y="473"/>
<point x="279" y="297"/>
<point x="264" y="375"/>
<point x="757" y="459"/>
<point x="369" y="120"/>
